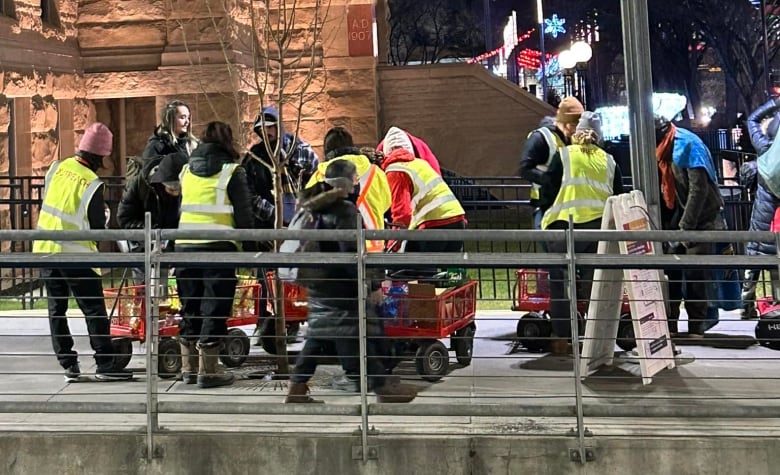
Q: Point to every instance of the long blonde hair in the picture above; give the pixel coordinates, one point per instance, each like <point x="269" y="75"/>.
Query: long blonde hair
<point x="588" y="138"/>
<point x="167" y="121"/>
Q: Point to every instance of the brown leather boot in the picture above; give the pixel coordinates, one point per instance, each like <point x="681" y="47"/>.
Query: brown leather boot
<point x="299" y="393"/>
<point x="395" y="393"/>
<point x="209" y="375"/>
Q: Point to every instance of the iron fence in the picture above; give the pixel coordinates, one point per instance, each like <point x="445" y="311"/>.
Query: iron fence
<point x="490" y="203"/>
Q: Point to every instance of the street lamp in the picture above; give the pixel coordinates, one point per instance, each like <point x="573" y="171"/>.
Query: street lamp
<point x="540" y="21"/>
<point x="575" y="58"/>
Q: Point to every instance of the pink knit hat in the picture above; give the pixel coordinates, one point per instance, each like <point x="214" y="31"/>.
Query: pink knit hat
<point x="97" y="140"/>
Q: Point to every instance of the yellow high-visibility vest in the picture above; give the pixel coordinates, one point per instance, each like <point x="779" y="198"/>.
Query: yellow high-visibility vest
<point x="432" y="199"/>
<point x="554" y="143"/>
<point x="205" y="203"/>
<point x="374" y="199"/>
<point x="585" y="187"/>
<point x="68" y="189"/>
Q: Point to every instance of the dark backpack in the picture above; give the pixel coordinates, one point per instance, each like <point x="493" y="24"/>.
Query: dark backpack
<point x="303" y="219"/>
<point x="768" y="326"/>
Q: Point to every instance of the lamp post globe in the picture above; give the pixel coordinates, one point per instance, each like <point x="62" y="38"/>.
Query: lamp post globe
<point x="582" y="52"/>
<point x="567" y="59"/>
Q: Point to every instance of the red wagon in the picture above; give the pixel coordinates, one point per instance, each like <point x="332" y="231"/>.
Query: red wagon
<point x="424" y="316"/>
<point x="531" y="294"/>
<point x="128" y="324"/>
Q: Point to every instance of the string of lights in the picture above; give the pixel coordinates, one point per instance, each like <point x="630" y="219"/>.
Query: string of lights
<point x="531" y="58"/>
<point x="490" y="54"/>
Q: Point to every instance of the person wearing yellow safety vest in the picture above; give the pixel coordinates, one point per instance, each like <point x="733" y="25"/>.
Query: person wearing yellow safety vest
<point x="214" y="196"/>
<point x="539" y="149"/>
<point x="73" y="201"/>
<point x="585" y="177"/>
<point x="421" y="198"/>
<point x="373" y="191"/>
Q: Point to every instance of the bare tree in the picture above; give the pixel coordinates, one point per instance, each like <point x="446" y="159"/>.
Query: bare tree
<point x="733" y="29"/>
<point x="429" y="31"/>
<point x="271" y="51"/>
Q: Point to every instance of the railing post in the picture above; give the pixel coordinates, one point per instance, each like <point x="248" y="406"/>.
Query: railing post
<point x="361" y="278"/>
<point x="575" y="336"/>
<point x="152" y="423"/>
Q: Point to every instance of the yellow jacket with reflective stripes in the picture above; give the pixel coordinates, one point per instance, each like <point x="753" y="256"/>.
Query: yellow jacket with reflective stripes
<point x="68" y="190"/>
<point x="432" y="199"/>
<point x="554" y="145"/>
<point x="585" y="187"/>
<point x="205" y="203"/>
<point x="374" y="199"/>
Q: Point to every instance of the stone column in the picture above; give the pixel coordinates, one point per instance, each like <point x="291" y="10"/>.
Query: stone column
<point x="21" y="162"/>
<point x="382" y="13"/>
<point x="67" y="138"/>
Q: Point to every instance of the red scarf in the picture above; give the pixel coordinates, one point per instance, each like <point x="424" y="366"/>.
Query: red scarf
<point x="663" y="156"/>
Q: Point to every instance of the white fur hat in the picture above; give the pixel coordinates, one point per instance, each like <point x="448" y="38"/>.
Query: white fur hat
<point x="397" y="138"/>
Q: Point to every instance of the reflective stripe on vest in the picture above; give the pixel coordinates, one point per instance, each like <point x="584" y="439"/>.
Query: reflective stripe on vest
<point x="68" y="190"/>
<point x="205" y="203"/>
<point x="585" y="187"/>
<point x="554" y="143"/>
<point x="432" y="199"/>
<point x="374" y="198"/>
<point x="369" y="220"/>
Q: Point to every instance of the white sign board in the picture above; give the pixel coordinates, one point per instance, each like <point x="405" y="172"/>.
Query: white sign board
<point x="644" y="288"/>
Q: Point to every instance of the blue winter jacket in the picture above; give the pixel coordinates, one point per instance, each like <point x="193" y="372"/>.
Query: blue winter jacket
<point x="761" y="217"/>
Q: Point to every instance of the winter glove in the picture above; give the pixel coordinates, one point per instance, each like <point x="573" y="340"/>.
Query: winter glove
<point x="263" y="209"/>
<point x="748" y="175"/>
<point x="675" y="247"/>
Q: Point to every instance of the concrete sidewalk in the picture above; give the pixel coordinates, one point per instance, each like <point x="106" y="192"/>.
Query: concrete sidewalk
<point x="742" y="378"/>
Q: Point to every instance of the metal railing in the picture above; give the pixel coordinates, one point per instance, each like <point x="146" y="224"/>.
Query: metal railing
<point x="475" y="391"/>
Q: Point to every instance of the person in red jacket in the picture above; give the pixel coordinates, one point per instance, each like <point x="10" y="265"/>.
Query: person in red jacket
<point x="421" y="198"/>
<point x="419" y="148"/>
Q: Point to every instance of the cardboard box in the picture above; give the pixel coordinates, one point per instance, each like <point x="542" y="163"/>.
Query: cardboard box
<point x="423" y="309"/>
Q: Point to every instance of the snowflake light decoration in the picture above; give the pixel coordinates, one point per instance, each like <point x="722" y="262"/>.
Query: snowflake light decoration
<point x="554" y="26"/>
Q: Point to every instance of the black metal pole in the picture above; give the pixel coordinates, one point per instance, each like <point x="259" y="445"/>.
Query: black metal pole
<point x="767" y="72"/>
<point x="543" y="57"/>
<point x="488" y="27"/>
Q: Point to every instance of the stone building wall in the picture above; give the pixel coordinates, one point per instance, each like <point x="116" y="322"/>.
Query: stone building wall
<point x="474" y="122"/>
<point x="120" y="61"/>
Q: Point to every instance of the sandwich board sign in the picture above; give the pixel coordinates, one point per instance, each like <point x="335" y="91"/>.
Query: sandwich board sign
<point x="643" y="286"/>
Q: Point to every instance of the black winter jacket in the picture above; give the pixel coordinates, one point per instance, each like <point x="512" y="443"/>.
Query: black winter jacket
<point x="699" y="198"/>
<point x="261" y="183"/>
<point x="333" y="290"/>
<point x="536" y="152"/>
<point x="141" y="196"/>
<point x="159" y="145"/>
<point x="207" y="160"/>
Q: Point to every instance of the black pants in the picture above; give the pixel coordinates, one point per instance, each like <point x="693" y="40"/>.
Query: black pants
<point x="560" y="314"/>
<point x="87" y="288"/>
<point x="438" y="246"/>
<point x="347" y="349"/>
<point x="206" y="296"/>
<point x="692" y="285"/>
